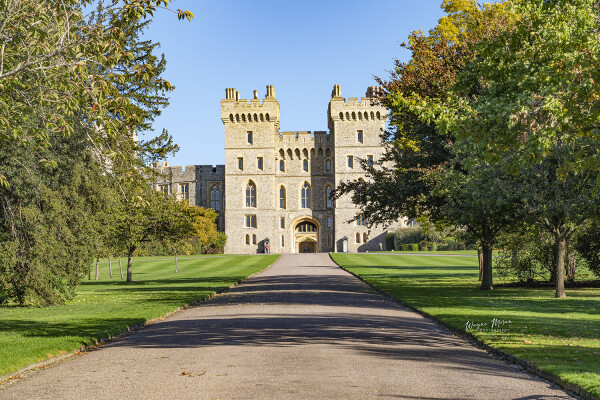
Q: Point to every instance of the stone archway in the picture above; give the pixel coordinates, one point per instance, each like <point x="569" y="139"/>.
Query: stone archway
<point x="306" y="236"/>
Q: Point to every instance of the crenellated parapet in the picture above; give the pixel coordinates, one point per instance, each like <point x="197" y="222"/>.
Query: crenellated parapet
<point x="236" y="110"/>
<point x="357" y="108"/>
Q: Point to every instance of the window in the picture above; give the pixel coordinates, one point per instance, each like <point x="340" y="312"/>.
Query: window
<point x="247" y="239"/>
<point x="305" y="195"/>
<point x="214" y="198"/>
<point x="251" y="194"/>
<point x="305" y="165"/>
<point x="260" y="163"/>
<point x="350" y="162"/>
<point x="364" y="237"/>
<point x="282" y="223"/>
<point x="249" y="137"/>
<point x="360" y="220"/>
<point x="329" y="222"/>
<point x="411" y="222"/>
<point x="328" y="165"/>
<point x="281" y="166"/>
<point x="250" y="221"/>
<point x="306" y="227"/>
<point x="357" y="237"/>
<point x="164" y="189"/>
<point x="370" y="161"/>
<point x="328" y="197"/>
<point x="240" y="163"/>
<point x="253" y="239"/>
<point x="185" y="191"/>
<point x="359" y="136"/>
<point x="282" y="199"/>
<point x="282" y="241"/>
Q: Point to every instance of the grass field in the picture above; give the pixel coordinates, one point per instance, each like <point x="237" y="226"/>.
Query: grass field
<point x="108" y="306"/>
<point x="561" y="336"/>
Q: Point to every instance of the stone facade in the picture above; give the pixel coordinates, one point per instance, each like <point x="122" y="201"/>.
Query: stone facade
<point x="277" y="183"/>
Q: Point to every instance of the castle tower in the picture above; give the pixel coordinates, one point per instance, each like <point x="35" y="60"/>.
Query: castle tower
<point x="250" y="130"/>
<point x="356" y="125"/>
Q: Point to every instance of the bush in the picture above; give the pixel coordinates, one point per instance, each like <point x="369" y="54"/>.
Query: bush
<point x="389" y="241"/>
<point x="587" y="244"/>
<point x="414" y="247"/>
<point x="434" y="246"/>
<point x="405" y="247"/>
<point x="407" y="236"/>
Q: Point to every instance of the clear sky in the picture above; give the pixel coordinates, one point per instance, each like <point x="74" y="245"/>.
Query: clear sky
<point x="302" y="48"/>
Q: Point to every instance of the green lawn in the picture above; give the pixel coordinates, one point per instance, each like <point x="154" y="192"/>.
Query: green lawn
<point x="561" y="336"/>
<point x="108" y="306"/>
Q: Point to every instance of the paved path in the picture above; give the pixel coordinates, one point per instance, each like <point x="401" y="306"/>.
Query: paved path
<point x="303" y="329"/>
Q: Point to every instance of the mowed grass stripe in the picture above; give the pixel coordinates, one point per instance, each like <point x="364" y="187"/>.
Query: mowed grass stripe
<point x="109" y="306"/>
<point x="561" y="336"/>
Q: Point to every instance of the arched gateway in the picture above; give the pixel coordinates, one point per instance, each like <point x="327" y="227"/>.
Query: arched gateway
<point x="306" y="236"/>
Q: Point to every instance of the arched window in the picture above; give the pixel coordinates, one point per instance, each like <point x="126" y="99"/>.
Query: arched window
<point x="305" y="195"/>
<point x="305" y="165"/>
<point x="253" y="239"/>
<point x="281" y="166"/>
<point x="249" y="137"/>
<point x="251" y="194"/>
<point x="282" y="241"/>
<point x="231" y="117"/>
<point x="247" y="239"/>
<point x="328" y="196"/>
<point x="328" y="165"/>
<point x="365" y="237"/>
<point x="282" y="197"/>
<point x="357" y="237"/>
<point x="214" y="198"/>
<point x="342" y="116"/>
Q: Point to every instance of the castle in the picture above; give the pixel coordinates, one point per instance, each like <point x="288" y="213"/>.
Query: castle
<point x="273" y="193"/>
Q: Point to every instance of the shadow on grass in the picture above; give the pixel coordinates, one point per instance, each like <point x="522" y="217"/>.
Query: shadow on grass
<point x="91" y="328"/>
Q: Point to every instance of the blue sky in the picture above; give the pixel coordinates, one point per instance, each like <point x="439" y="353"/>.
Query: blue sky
<point x="302" y="48"/>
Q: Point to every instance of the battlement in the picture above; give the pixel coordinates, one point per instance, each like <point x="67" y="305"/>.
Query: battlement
<point x="293" y="138"/>
<point x="234" y="109"/>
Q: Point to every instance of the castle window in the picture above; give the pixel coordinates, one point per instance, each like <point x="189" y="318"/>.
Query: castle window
<point x="253" y="239"/>
<point x="305" y="195"/>
<point x="231" y="118"/>
<point x="357" y="237"/>
<point x="214" y="198"/>
<point x="281" y="166"/>
<point x="282" y="199"/>
<point x="240" y="163"/>
<point x="350" y="162"/>
<point x="359" y="136"/>
<point x="282" y="241"/>
<point x="260" y="163"/>
<point x="164" y="189"/>
<point x="378" y="115"/>
<point x="250" y="221"/>
<point x="249" y="137"/>
<point x="185" y="191"/>
<point x="282" y="223"/>
<point x="251" y="194"/>
<point x="305" y="165"/>
<point x="342" y="116"/>
<point x="329" y="222"/>
<point x="247" y="239"/>
<point x="328" y="165"/>
<point x="370" y="161"/>
<point x="328" y="196"/>
<point x="364" y="237"/>
<point x="360" y="220"/>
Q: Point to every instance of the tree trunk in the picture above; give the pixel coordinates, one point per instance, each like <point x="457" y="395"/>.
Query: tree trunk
<point x="571" y="266"/>
<point x="130" y="266"/>
<point x="487" y="280"/>
<point x="109" y="266"/>
<point x="480" y="258"/>
<point x="175" y="262"/>
<point x="97" y="270"/>
<point x="121" y="267"/>
<point x="559" y="263"/>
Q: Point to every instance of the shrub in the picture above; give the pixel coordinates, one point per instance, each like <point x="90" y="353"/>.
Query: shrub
<point x="434" y="246"/>
<point x="389" y="241"/>
<point x="587" y="244"/>
<point x="407" y="236"/>
<point x="414" y="247"/>
<point x="405" y="247"/>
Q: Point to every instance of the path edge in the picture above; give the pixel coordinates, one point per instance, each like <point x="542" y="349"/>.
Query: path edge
<point x="527" y="365"/>
<point x="85" y="348"/>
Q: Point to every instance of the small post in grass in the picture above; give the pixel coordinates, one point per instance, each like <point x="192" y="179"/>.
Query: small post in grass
<point x="175" y="262"/>
<point x="97" y="270"/>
